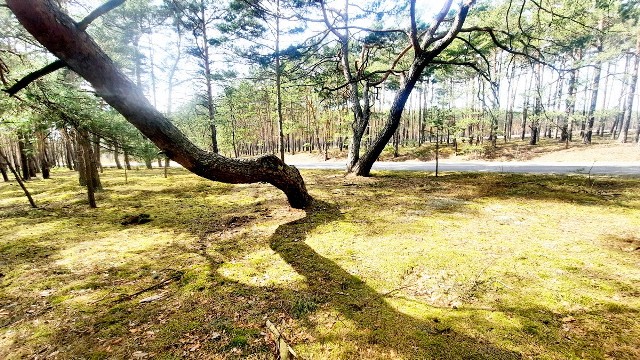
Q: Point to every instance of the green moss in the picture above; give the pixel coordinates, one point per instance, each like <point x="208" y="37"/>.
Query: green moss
<point x="398" y="265"/>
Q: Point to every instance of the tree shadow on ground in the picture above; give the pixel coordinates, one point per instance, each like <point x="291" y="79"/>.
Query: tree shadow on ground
<point x="378" y="323"/>
<point x="574" y="189"/>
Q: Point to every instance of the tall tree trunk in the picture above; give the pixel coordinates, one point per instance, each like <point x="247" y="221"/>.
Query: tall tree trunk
<point x="68" y="150"/>
<point x="87" y="165"/>
<point x="586" y="139"/>
<point x="116" y="156"/>
<point x="15" y="174"/>
<point x="24" y="159"/>
<point x="570" y="107"/>
<point x="537" y="107"/>
<point x="208" y="79"/>
<point x="127" y="160"/>
<point x="96" y="152"/>
<point x="81" y="158"/>
<point x="279" y="85"/>
<point x="60" y="34"/>
<point x="44" y="158"/>
<point x="628" y="108"/>
<point x="4" y="164"/>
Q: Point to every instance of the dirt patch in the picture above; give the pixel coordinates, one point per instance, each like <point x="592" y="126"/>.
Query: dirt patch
<point x="599" y="153"/>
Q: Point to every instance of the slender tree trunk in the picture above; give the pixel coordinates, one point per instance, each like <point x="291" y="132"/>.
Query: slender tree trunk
<point x="4" y="164"/>
<point x="89" y="165"/>
<point x="96" y="152"/>
<point x="44" y="157"/>
<point x="15" y="174"/>
<point x="592" y="106"/>
<point x="570" y="107"/>
<point x="24" y="159"/>
<point x="279" y="85"/>
<point x="127" y="161"/>
<point x="628" y="108"/>
<point x="537" y="107"/>
<point x="68" y="149"/>
<point x="207" y="73"/>
<point x="85" y="156"/>
<point x="116" y="156"/>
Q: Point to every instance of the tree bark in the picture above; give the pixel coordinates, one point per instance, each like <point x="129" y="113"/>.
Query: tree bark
<point x="3" y="169"/>
<point x="24" y="159"/>
<point x="60" y="35"/>
<point x="15" y="174"/>
<point x="628" y="108"/>
<point x="96" y="152"/>
<point x="116" y="156"/>
<point x="278" y="86"/>
<point x="425" y="54"/>
<point x="87" y="168"/>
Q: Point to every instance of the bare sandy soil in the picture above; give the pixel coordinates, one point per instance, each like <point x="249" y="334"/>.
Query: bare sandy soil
<point x="609" y="153"/>
<point x="578" y="153"/>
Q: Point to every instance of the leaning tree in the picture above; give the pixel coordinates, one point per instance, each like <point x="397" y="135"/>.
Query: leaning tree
<point x="73" y="46"/>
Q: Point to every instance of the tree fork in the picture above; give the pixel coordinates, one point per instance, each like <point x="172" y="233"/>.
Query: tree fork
<point x="60" y="34"/>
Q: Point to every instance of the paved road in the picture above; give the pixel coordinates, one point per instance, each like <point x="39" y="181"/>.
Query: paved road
<point x="507" y="167"/>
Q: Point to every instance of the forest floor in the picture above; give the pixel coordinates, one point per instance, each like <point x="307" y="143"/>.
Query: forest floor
<point x="547" y="151"/>
<point x="402" y="265"/>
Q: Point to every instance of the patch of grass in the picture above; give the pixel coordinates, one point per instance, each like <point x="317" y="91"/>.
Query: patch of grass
<point x="303" y="306"/>
<point x="399" y="265"/>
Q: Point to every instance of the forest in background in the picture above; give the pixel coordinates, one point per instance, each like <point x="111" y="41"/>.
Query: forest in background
<point x="246" y="78"/>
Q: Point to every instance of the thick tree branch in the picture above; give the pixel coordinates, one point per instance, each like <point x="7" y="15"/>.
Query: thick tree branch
<point x="438" y="20"/>
<point x="59" y="64"/>
<point x="101" y="10"/>
<point x="59" y="34"/>
<point x="442" y="43"/>
<point x="25" y="81"/>
<point x="413" y="34"/>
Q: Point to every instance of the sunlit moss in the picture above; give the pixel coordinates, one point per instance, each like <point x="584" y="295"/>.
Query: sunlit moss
<point x="261" y="268"/>
<point x="405" y="266"/>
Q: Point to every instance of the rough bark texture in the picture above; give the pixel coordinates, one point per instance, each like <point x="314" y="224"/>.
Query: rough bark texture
<point x="60" y="35"/>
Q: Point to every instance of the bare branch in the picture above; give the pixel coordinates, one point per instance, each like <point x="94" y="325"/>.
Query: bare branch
<point x="101" y="10"/>
<point x="330" y="26"/>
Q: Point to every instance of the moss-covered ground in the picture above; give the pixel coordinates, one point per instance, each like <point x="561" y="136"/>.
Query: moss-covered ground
<point x="396" y="266"/>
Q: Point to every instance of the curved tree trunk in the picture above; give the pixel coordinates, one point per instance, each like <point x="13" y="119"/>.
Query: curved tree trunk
<point x="363" y="167"/>
<point x="425" y="53"/>
<point x="61" y="35"/>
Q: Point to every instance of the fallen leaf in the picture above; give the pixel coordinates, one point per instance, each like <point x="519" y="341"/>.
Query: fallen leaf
<point x="150" y="299"/>
<point x="139" y="354"/>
